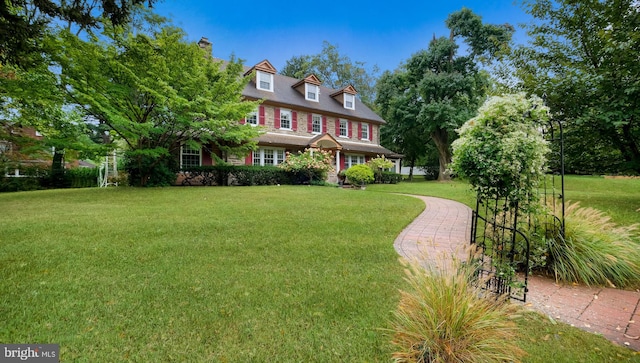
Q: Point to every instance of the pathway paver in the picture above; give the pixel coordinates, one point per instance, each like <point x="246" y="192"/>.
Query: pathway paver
<point x="443" y="230"/>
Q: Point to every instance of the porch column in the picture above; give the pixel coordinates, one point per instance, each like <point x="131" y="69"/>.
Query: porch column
<point x="337" y="161"/>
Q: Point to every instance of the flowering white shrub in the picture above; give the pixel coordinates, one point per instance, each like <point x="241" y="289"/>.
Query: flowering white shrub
<point x="378" y="164"/>
<point x="502" y="152"/>
<point x="310" y="162"/>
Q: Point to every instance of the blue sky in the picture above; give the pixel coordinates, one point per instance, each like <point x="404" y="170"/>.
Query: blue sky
<point x="382" y="33"/>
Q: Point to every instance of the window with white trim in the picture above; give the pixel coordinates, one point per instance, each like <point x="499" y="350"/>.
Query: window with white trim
<point x="344" y="128"/>
<point x="365" y="131"/>
<point x="351" y="160"/>
<point x="316" y="124"/>
<point x="264" y="81"/>
<point x="285" y="119"/>
<point x="268" y="156"/>
<point x="311" y="92"/>
<point x="349" y="101"/>
<point x="252" y="118"/>
<point x="190" y="156"/>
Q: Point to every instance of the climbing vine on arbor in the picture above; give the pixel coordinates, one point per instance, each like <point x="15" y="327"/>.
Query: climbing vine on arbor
<point x="501" y="151"/>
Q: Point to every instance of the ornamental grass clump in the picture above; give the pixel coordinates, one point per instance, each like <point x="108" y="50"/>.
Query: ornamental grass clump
<point x="501" y="151"/>
<point x="595" y="250"/>
<point x="444" y="317"/>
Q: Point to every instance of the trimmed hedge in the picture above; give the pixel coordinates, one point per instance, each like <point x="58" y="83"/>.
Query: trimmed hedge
<point x="222" y="175"/>
<point x="82" y="177"/>
<point x="40" y="178"/>
<point x="389" y="177"/>
<point x="14" y="184"/>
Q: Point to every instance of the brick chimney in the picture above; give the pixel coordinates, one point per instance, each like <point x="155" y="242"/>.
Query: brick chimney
<point x="204" y="43"/>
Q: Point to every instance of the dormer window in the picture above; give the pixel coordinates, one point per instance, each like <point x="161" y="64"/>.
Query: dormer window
<point x="309" y="87"/>
<point x="264" y="81"/>
<point x="349" y="101"/>
<point x="346" y="96"/>
<point x="312" y="92"/>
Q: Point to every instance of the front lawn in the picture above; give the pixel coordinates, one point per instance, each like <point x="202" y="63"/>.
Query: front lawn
<point x="202" y="274"/>
<point x="264" y="274"/>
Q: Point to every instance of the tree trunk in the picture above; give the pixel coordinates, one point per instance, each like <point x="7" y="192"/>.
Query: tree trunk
<point x="441" y="138"/>
<point x="633" y="154"/>
<point x="57" y="169"/>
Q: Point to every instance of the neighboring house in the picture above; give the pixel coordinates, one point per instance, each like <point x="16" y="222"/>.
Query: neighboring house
<point x="21" y="150"/>
<point x="298" y="114"/>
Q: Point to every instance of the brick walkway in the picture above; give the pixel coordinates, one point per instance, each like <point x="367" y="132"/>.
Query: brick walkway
<point x="443" y="229"/>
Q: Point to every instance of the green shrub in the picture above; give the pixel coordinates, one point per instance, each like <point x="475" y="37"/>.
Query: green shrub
<point x="443" y="317"/>
<point x="33" y="177"/>
<point x="388" y="177"/>
<point x="248" y="175"/>
<point x="13" y="184"/>
<point x="259" y="175"/>
<point x="150" y="170"/>
<point x="359" y="174"/>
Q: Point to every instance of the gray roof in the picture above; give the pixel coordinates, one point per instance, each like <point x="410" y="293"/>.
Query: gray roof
<point x="285" y="94"/>
<point x="366" y="148"/>
<point x="303" y="141"/>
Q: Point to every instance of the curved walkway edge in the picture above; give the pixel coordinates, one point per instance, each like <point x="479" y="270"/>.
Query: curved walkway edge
<point x="443" y="229"/>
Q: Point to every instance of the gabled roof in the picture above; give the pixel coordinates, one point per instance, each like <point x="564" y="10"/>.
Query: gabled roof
<point x="285" y="95"/>
<point x="311" y="79"/>
<point x="326" y="141"/>
<point x="348" y="89"/>
<point x="264" y="66"/>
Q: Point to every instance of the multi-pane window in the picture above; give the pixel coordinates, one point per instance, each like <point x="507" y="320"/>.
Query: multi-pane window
<point x="285" y="119"/>
<point x="189" y="156"/>
<point x="349" y="101"/>
<point x="252" y="118"/>
<point x="312" y="92"/>
<point x="316" y="124"/>
<point x="264" y="157"/>
<point x="365" y="131"/>
<point x="351" y="160"/>
<point x="265" y="81"/>
<point x="344" y="131"/>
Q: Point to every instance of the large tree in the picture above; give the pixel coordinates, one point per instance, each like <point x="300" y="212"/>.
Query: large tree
<point x="24" y="23"/>
<point x="398" y="133"/>
<point x="584" y="56"/>
<point x="438" y="89"/>
<point x="155" y="91"/>
<point x="334" y="70"/>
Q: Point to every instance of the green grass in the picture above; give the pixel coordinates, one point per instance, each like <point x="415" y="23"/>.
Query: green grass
<point x="214" y="274"/>
<point x="618" y="198"/>
<point x="202" y="274"/>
